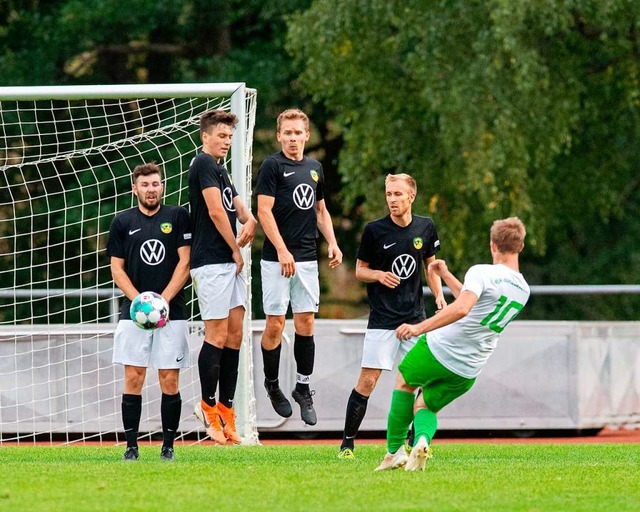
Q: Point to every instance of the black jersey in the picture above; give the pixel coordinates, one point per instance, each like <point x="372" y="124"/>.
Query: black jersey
<point x="402" y="250"/>
<point x="209" y="247"/>
<point x="296" y="187"/>
<point x="149" y="247"/>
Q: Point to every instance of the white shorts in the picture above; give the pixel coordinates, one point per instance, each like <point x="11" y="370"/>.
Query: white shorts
<point x="165" y="348"/>
<point x="381" y="348"/>
<point x="219" y="290"/>
<point x="302" y="290"/>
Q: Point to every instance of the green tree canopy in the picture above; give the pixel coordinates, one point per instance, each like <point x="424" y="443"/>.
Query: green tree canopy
<point x="498" y="108"/>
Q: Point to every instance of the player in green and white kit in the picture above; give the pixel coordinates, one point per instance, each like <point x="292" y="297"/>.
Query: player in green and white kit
<point x="457" y="343"/>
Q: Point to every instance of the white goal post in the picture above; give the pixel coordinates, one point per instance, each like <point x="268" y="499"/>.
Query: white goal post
<point x="66" y="156"/>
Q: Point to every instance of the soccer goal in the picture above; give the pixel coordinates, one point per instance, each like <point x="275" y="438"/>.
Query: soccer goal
<point x="66" y="156"/>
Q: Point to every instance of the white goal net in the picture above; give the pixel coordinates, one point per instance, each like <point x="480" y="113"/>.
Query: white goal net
<point x="66" y="156"/>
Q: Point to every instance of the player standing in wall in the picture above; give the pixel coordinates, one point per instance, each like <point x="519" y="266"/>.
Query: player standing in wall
<point x="458" y="341"/>
<point x="291" y="209"/>
<point x="149" y="246"/>
<point x="390" y="260"/>
<point x="217" y="273"/>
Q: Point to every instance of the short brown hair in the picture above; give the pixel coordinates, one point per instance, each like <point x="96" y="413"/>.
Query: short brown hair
<point x="214" y="117"/>
<point x="292" y="113"/>
<point x="508" y="235"/>
<point x="146" y="170"/>
<point x="403" y="177"/>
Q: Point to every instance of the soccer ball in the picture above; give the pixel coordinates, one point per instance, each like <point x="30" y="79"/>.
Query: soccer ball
<point x="149" y="310"/>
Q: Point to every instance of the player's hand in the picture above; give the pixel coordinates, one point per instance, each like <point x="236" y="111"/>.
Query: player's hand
<point x="247" y="232"/>
<point x="238" y="260"/>
<point x="438" y="267"/>
<point x="335" y="255"/>
<point x="407" y="331"/>
<point x="388" y="279"/>
<point x="440" y="303"/>
<point x="287" y="263"/>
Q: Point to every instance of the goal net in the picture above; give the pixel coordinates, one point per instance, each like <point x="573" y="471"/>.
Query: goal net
<point x="66" y="156"/>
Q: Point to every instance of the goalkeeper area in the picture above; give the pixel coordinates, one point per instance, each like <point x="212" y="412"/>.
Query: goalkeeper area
<point x="66" y="156"/>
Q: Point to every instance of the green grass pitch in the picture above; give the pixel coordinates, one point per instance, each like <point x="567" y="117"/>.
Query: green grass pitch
<point x="464" y="477"/>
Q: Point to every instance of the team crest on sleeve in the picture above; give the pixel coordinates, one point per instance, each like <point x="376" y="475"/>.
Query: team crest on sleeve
<point x="418" y="242"/>
<point x="314" y="176"/>
<point x="166" y="227"/>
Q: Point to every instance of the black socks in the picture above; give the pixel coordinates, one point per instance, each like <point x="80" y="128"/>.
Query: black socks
<point x="131" y="412"/>
<point x="209" y="370"/>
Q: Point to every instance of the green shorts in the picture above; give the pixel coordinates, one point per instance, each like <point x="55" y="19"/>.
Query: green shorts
<point x="440" y="386"/>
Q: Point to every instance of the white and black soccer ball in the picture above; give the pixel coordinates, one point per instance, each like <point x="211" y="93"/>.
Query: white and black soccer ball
<point x="149" y="311"/>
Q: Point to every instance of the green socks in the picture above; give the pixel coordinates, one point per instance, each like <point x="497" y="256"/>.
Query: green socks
<point x="425" y="424"/>
<point x="399" y="419"/>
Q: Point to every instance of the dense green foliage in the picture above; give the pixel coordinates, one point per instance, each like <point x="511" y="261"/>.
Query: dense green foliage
<point x="573" y="477"/>
<point x="144" y="41"/>
<point x="497" y="108"/>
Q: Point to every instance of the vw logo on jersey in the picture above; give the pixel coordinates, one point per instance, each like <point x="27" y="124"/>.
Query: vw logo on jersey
<point x="403" y="266"/>
<point x="152" y="252"/>
<point x="303" y="196"/>
<point x="227" y="199"/>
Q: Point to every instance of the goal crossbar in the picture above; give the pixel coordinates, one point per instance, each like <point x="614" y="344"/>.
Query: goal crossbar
<point x="85" y="92"/>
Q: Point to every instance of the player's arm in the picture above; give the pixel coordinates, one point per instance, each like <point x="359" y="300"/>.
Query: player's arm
<point x="249" y="224"/>
<point x="270" y="228"/>
<point x="121" y="279"/>
<point x="366" y="274"/>
<point x="325" y="226"/>
<point x="458" y="309"/>
<point x="218" y="215"/>
<point x="435" y="283"/>
<point x="439" y="268"/>
<point x="180" y="274"/>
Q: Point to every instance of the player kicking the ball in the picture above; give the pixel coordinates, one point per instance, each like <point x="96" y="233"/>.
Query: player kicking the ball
<point x="456" y="345"/>
<point x="149" y="247"/>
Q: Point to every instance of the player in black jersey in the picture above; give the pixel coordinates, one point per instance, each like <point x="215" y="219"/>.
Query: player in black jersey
<point x="291" y="209"/>
<point x="392" y="253"/>
<point x="149" y="247"/>
<point x="216" y="269"/>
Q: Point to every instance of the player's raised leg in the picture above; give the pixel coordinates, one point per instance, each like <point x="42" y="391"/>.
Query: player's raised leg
<point x="271" y="349"/>
<point x="209" y="370"/>
<point x="304" y="353"/>
<point x="229" y="375"/>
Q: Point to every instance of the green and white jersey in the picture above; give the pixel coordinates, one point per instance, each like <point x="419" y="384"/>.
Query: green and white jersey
<point x="464" y="346"/>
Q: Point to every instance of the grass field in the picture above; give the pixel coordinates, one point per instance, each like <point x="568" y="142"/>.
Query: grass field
<point x="465" y="477"/>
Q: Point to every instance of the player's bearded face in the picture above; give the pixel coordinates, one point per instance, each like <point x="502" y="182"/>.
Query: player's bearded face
<point x="148" y="190"/>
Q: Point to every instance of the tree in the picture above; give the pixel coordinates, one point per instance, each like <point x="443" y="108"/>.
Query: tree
<point x="497" y="108"/>
<point x="69" y="42"/>
<point x="151" y="41"/>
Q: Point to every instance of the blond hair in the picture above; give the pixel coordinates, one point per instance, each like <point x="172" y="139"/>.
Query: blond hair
<point x="292" y="114"/>
<point x="405" y="178"/>
<point x="508" y="235"/>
